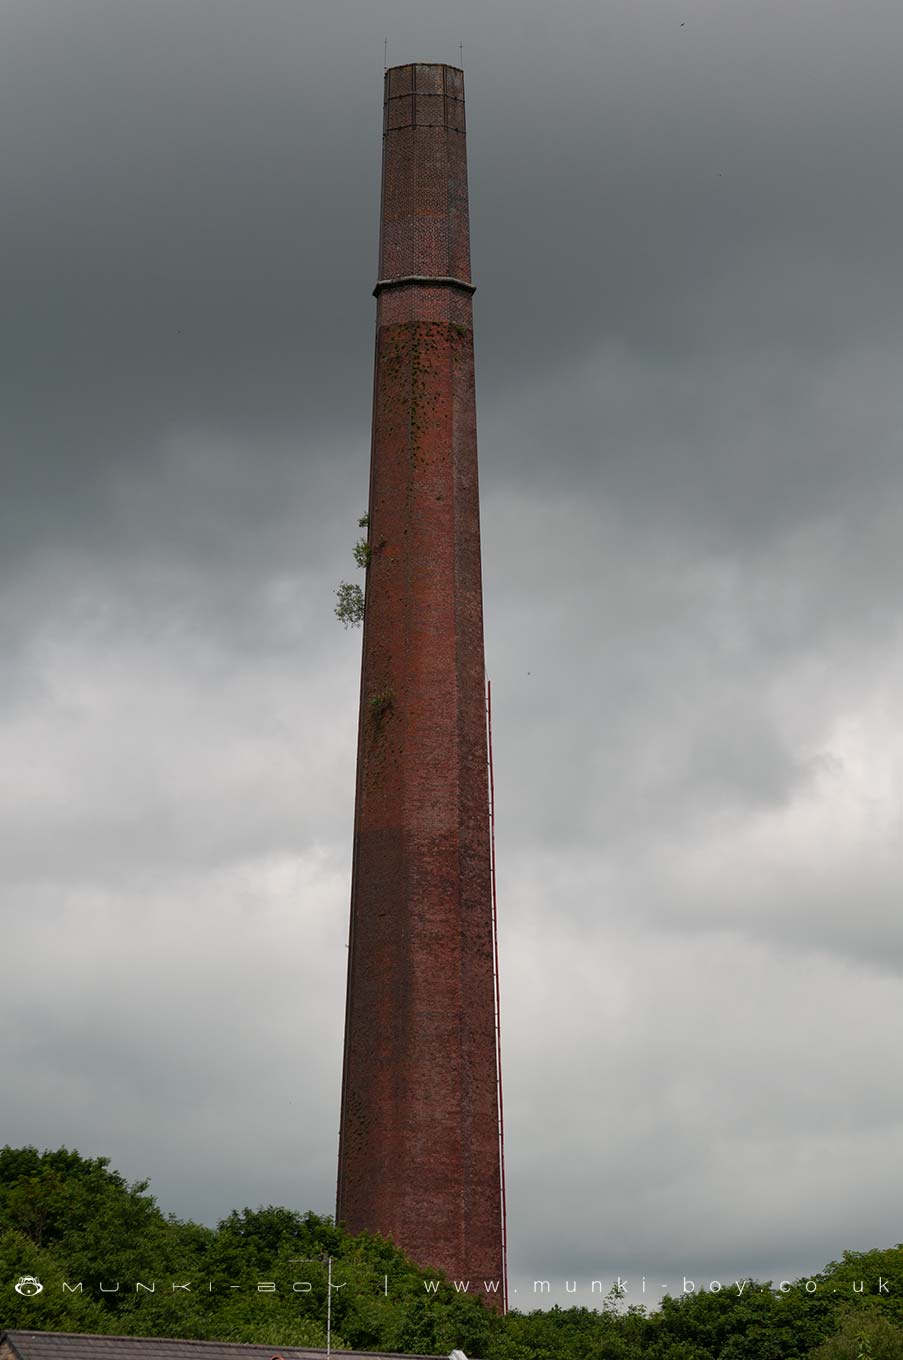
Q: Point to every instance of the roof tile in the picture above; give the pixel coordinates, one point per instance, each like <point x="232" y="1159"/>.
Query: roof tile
<point x="75" y="1346"/>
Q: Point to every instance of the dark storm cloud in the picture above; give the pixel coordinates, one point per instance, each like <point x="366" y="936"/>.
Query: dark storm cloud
<point x="686" y="242"/>
<point x="188" y="239"/>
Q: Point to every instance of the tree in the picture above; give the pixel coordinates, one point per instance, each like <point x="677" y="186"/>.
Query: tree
<point x="349" y="597"/>
<point x="863" y="1334"/>
<point x="261" y="1275"/>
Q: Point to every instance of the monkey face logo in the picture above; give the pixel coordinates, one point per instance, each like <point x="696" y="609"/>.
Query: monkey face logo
<point x="29" y="1286"/>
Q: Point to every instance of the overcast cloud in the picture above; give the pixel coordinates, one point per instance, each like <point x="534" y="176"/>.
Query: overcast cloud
<point x="687" y="243"/>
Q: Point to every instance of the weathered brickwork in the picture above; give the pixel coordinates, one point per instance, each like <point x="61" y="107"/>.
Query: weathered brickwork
<point x="419" y="1150"/>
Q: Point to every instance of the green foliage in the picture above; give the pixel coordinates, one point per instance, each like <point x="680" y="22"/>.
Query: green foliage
<point x="52" y="1310"/>
<point x="68" y="1218"/>
<point x="381" y="703"/>
<point x="860" y="1271"/>
<point x="349" y="604"/>
<point x="362" y="553"/>
<point x="864" y="1334"/>
<point x="350" y="598"/>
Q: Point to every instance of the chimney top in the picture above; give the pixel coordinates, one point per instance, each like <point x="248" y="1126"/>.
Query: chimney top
<point x="424" y="78"/>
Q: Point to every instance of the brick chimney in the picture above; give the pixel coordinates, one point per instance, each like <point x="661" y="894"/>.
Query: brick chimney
<point x="419" y="1152"/>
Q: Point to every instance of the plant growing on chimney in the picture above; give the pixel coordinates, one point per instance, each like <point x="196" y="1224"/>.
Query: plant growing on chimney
<point x="349" y="604"/>
<point x="362" y="553"/>
<point x="349" y="607"/>
<point x="381" y="703"/>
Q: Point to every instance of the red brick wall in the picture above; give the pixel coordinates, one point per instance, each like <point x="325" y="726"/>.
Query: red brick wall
<point x="419" y="1155"/>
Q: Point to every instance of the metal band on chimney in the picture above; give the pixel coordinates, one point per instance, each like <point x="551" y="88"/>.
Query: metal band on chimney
<point x="424" y="281"/>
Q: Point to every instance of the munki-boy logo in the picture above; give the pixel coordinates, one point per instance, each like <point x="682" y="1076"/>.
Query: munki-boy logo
<point x="28" y="1285"/>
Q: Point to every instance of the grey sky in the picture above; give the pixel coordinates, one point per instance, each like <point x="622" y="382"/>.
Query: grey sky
<point x="686" y="240"/>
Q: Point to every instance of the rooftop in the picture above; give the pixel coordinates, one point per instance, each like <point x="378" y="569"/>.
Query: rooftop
<point x="25" y="1345"/>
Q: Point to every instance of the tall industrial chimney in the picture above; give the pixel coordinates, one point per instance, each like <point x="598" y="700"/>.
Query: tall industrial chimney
<point x="419" y="1150"/>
